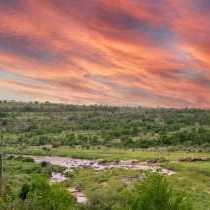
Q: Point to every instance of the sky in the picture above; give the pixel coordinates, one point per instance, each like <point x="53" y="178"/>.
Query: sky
<point x="115" y="52"/>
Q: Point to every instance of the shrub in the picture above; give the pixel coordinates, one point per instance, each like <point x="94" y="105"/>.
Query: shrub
<point x="157" y="194"/>
<point x="40" y="195"/>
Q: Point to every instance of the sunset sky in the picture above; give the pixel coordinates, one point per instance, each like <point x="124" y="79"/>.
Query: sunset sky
<point x="117" y="52"/>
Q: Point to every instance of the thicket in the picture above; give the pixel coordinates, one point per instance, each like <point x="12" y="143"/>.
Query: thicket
<point x="129" y="127"/>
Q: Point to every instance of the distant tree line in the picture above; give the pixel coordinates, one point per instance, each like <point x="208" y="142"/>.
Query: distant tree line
<point x="129" y="127"/>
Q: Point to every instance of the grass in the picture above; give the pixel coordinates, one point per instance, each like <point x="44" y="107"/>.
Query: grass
<point x="103" y="153"/>
<point x="89" y="180"/>
<point x="191" y="177"/>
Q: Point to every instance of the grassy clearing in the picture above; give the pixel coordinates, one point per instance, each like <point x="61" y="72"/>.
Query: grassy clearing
<point x="191" y="177"/>
<point x="103" y="153"/>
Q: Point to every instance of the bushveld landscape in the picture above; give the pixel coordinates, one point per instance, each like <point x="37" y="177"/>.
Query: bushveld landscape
<point x="62" y="157"/>
<point x="104" y="105"/>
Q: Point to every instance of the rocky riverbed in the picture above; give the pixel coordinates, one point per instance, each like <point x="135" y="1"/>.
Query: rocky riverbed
<point x="72" y="164"/>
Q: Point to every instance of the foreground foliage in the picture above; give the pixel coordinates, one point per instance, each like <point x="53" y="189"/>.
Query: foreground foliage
<point x="33" y="191"/>
<point x="157" y="194"/>
<point x="42" y="196"/>
<point x="154" y="193"/>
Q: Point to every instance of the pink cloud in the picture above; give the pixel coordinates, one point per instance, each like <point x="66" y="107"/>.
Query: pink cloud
<point x="121" y="52"/>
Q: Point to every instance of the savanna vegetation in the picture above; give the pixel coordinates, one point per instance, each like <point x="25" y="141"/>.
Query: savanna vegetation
<point x="38" y="124"/>
<point x="111" y="133"/>
<point x="27" y="187"/>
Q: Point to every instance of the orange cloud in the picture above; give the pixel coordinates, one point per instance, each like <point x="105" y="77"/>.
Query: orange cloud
<point x="122" y="52"/>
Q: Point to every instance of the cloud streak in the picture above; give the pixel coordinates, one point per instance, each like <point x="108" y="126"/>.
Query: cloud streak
<point x="99" y="51"/>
